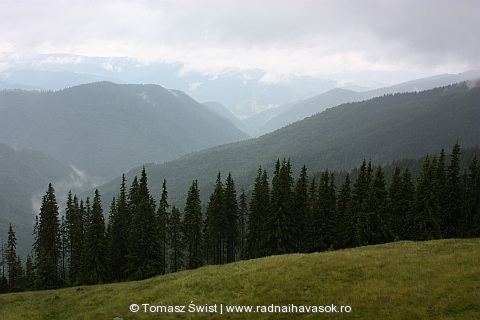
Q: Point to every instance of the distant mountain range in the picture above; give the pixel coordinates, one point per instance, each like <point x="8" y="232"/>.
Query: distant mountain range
<point x="105" y="129"/>
<point x="243" y="93"/>
<point x="382" y="129"/>
<point x="276" y="118"/>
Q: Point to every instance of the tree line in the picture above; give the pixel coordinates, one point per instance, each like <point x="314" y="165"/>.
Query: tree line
<point x="143" y="238"/>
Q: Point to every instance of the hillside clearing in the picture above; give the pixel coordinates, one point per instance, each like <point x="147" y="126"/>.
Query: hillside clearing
<point x="402" y="280"/>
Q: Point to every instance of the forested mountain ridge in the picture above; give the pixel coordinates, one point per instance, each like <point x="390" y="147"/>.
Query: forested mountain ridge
<point x="271" y="120"/>
<point x="312" y="106"/>
<point x="382" y="129"/>
<point x="105" y="128"/>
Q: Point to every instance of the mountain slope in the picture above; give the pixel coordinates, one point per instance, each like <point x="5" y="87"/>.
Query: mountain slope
<point x="337" y="96"/>
<point x="401" y="280"/>
<point x="382" y="129"/>
<point x="24" y="177"/>
<point x="227" y="114"/>
<point x="105" y="128"/>
<point x="311" y="106"/>
<point x="427" y="83"/>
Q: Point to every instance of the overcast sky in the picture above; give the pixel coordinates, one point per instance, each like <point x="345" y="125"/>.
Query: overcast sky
<point x="303" y="37"/>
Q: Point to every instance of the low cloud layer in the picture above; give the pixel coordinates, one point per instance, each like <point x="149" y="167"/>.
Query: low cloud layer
<point x="76" y="182"/>
<point x="308" y="37"/>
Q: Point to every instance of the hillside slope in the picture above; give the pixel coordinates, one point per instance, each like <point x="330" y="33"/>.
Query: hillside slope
<point x="312" y="106"/>
<point x="23" y="175"/>
<point x="106" y="129"/>
<point x="402" y="280"/>
<point x="302" y="109"/>
<point x="383" y="129"/>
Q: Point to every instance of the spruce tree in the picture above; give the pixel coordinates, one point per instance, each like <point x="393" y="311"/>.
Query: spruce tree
<point x="163" y="216"/>
<point x="48" y="244"/>
<point x="95" y="267"/>
<point x="464" y="219"/>
<point x="312" y="236"/>
<point x="300" y="211"/>
<point x="326" y="214"/>
<point x="64" y="249"/>
<point x="407" y="205"/>
<point x="231" y="217"/>
<point x="75" y="234"/>
<point x="452" y="214"/>
<point x="375" y="222"/>
<point x="257" y="214"/>
<point x="15" y="270"/>
<point x="242" y="224"/>
<point x="86" y="209"/>
<point x="175" y="240"/>
<point x="359" y="194"/>
<point x="215" y="225"/>
<point x="133" y="200"/>
<point x="472" y="200"/>
<point x="401" y="195"/>
<point x="442" y="186"/>
<point x="29" y="273"/>
<point x="427" y="220"/>
<point x="144" y="246"/>
<point x="119" y="222"/>
<point x="108" y="240"/>
<point x="343" y="199"/>
<point x="395" y="198"/>
<point x="193" y="225"/>
<point x="278" y="222"/>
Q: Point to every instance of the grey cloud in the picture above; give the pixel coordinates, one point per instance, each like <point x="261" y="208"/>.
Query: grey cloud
<point x="380" y="33"/>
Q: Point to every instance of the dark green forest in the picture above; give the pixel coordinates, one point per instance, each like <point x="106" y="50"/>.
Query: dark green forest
<point x="437" y="197"/>
<point x="383" y="129"/>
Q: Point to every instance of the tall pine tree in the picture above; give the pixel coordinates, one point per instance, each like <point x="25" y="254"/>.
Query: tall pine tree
<point x="215" y="225"/>
<point x="231" y="217"/>
<point x="48" y="244"/>
<point x="325" y="219"/>
<point x="278" y="223"/>
<point x="427" y="220"/>
<point x="375" y="222"/>
<point x="163" y="216"/>
<point x="359" y="194"/>
<point x="119" y="222"/>
<point x="15" y="270"/>
<point x="453" y="214"/>
<point x="75" y="238"/>
<point x="343" y="199"/>
<point x="193" y="225"/>
<point x="300" y="211"/>
<point x="175" y="240"/>
<point x="242" y="224"/>
<point x="257" y="214"/>
<point x="144" y="246"/>
<point x="472" y="200"/>
<point x="95" y="264"/>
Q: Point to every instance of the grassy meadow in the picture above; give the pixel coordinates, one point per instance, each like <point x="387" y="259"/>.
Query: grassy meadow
<point x="402" y="280"/>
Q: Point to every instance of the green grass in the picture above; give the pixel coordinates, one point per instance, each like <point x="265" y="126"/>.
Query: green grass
<point x="402" y="280"/>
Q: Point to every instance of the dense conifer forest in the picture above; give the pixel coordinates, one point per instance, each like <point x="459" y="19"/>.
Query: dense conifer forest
<point x="282" y="214"/>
